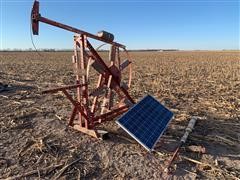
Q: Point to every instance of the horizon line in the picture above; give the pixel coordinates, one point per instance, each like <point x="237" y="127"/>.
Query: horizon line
<point x="144" y="49"/>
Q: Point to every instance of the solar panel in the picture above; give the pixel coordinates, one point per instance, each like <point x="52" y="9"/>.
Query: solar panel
<point x="146" y="121"/>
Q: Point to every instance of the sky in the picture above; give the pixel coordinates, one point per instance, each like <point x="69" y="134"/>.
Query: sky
<point x="139" y="24"/>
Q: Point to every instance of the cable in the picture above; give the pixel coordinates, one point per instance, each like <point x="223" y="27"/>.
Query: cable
<point x="98" y="48"/>
<point x="31" y="35"/>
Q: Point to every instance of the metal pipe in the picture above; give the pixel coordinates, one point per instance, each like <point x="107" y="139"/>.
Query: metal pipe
<point x="188" y="130"/>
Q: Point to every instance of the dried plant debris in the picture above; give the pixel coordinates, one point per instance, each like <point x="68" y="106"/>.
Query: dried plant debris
<point x="35" y="143"/>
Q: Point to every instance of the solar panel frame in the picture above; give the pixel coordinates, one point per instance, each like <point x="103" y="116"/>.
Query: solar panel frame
<point x="162" y="130"/>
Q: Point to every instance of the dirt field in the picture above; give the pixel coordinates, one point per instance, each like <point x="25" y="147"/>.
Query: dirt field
<point x="34" y="141"/>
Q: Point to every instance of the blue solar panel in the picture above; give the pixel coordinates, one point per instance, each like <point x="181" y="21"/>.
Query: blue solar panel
<point x="146" y="121"/>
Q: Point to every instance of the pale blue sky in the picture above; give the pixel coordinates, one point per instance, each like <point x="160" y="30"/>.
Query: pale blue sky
<point x="150" y="24"/>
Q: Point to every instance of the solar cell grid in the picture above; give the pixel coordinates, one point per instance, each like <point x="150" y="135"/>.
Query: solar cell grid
<point x="146" y="121"/>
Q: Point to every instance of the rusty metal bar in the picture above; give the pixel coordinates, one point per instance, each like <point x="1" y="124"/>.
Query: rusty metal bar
<point x="83" y="65"/>
<point x="79" y="107"/>
<point x="75" y="30"/>
<point x="98" y="58"/>
<point x="95" y="100"/>
<point x="62" y="88"/>
<point x="112" y="58"/>
<point x="73" y="114"/>
<point x="77" y="68"/>
<point x="115" y="114"/>
<point x="110" y="113"/>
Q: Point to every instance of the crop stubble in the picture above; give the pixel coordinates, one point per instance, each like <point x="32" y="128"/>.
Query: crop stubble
<point x="34" y="141"/>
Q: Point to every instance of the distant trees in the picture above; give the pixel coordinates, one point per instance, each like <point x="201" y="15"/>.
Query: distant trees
<point x="70" y="50"/>
<point x="30" y="50"/>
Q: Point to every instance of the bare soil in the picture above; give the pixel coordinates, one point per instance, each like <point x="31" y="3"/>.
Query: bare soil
<point x="35" y="143"/>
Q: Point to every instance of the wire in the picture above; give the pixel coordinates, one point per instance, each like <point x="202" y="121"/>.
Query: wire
<point x="31" y="35"/>
<point x="98" y="48"/>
